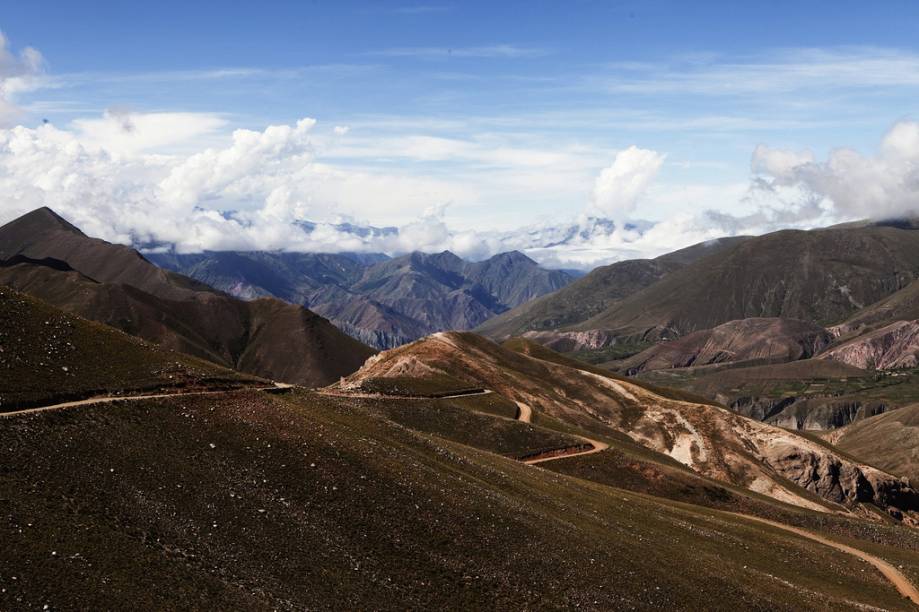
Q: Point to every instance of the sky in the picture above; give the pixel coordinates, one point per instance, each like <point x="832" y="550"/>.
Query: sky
<point x="474" y="126"/>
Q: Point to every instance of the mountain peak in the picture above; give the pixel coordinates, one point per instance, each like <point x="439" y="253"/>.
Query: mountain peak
<point x="40" y="220"/>
<point x="516" y="257"/>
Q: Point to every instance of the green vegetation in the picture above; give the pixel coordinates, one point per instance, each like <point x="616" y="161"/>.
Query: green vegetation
<point x="532" y="349"/>
<point x="809" y="379"/>
<point x="620" y="350"/>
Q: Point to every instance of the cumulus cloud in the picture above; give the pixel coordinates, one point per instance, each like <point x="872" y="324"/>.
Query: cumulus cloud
<point x="620" y="186"/>
<point x="19" y="73"/>
<point x="853" y="185"/>
<point x="248" y="194"/>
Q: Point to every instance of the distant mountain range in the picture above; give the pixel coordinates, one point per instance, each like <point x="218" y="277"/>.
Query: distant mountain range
<point x="382" y="301"/>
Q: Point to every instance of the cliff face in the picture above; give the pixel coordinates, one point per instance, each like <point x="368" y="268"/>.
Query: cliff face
<point x="890" y="347"/>
<point x="807" y="413"/>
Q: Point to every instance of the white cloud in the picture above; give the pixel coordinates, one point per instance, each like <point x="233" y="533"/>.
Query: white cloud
<point x="619" y="187"/>
<point x="855" y="186"/>
<point x="19" y="73"/>
<point x="124" y="133"/>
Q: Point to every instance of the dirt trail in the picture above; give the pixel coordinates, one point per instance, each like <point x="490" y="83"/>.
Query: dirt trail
<point x="132" y="398"/>
<point x="597" y="447"/>
<point x="900" y="581"/>
<point x="339" y="393"/>
<point x="525" y="415"/>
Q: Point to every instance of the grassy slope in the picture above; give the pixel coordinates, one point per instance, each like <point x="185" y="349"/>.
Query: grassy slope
<point x="286" y="502"/>
<point x="48" y="356"/>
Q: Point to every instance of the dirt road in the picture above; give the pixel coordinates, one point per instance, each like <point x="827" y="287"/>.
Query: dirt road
<point x="525" y="415"/>
<point x="895" y="576"/>
<point x="129" y="398"/>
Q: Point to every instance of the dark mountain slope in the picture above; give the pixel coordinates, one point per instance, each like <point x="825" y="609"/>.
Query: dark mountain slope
<point x="170" y="309"/>
<point x="593" y="293"/>
<point x="822" y="276"/>
<point x="900" y="306"/>
<point x="258" y="502"/>
<point x="49" y="356"/>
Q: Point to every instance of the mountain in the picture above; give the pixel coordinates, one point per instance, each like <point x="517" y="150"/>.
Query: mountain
<point x="712" y="441"/>
<point x="594" y="293"/>
<point x="902" y="305"/>
<point x="383" y="302"/>
<point x="756" y="341"/>
<point x="47" y="356"/>
<point x="821" y="276"/>
<point x="47" y="257"/>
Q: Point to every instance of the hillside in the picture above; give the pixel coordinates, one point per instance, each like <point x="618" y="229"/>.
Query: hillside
<point x="713" y="442"/>
<point x="47" y="257"/>
<point x="754" y="341"/>
<point x="889" y="441"/>
<point x="381" y="301"/>
<point x="300" y="501"/>
<point x="49" y="356"/>
<point x="821" y="276"/>
<point x="593" y="293"/>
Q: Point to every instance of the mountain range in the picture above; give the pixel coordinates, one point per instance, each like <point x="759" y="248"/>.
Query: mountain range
<point x="381" y="301"/>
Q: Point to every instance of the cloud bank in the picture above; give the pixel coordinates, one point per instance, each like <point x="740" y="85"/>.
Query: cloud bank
<point x="271" y="190"/>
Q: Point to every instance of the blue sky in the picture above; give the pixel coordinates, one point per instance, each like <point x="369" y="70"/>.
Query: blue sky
<point x="501" y="114"/>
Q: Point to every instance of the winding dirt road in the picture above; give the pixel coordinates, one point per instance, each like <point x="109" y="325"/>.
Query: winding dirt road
<point x="131" y="398"/>
<point x="525" y="415"/>
<point x="895" y="576"/>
